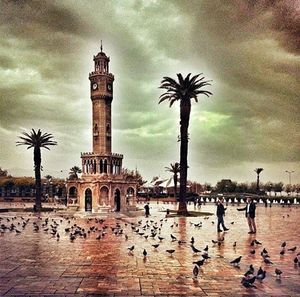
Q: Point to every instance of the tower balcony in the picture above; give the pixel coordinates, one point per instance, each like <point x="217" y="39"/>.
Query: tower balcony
<point x="99" y="72"/>
<point x="102" y="154"/>
<point x="101" y="163"/>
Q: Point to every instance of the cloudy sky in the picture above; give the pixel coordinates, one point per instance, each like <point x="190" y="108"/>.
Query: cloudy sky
<point x="250" y="49"/>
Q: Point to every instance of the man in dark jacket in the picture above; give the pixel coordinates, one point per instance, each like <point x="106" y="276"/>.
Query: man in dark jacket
<point x="220" y="215"/>
<point x="250" y="214"/>
<point x="147" y="210"/>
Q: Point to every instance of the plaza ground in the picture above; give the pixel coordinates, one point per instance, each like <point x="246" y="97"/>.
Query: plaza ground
<point x="35" y="263"/>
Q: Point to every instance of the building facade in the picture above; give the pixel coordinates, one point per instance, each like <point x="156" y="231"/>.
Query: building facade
<point x="102" y="186"/>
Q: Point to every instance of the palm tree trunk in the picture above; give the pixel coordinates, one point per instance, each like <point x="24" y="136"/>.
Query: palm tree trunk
<point x="37" y="171"/>
<point x="175" y="184"/>
<point x="185" y="109"/>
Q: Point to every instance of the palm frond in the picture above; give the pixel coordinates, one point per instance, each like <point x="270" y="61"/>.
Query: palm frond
<point x="36" y="139"/>
<point x="185" y="89"/>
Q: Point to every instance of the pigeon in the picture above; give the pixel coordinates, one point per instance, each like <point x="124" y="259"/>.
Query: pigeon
<point x="292" y="249"/>
<point x="195" y="271"/>
<point x="234" y="244"/>
<point x="214" y="241"/>
<point x="195" y="250"/>
<point x="261" y="274"/>
<point x="296" y="260"/>
<point x="200" y="262"/>
<point x="268" y="261"/>
<point x="283" y="245"/>
<point x="247" y="284"/>
<point x="236" y="261"/>
<point x="153" y="235"/>
<point x="144" y="253"/>
<point x="173" y="237"/>
<point x="131" y="248"/>
<point x="192" y="240"/>
<point x="205" y="256"/>
<point x="250" y="271"/>
<point x="170" y="251"/>
<point x="155" y="245"/>
<point x="206" y="248"/>
<point x="160" y="238"/>
<point x="252" y="252"/>
<point x="282" y="252"/>
<point x="278" y="272"/>
<point x="257" y="242"/>
<point x="250" y="280"/>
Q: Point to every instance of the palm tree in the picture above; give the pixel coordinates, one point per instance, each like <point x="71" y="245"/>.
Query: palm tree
<point x="37" y="140"/>
<point x="184" y="90"/>
<point x="258" y="171"/>
<point x="73" y="174"/>
<point x="175" y="169"/>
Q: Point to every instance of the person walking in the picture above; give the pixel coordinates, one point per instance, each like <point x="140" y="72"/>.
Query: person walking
<point x="147" y="210"/>
<point x="250" y="214"/>
<point x="220" y="214"/>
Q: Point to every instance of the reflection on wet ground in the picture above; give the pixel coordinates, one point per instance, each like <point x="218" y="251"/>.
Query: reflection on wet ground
<point x="92" y="256"/>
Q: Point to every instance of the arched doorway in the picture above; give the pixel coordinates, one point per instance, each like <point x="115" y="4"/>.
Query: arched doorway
<point x="88" y="200"/>
<point x="104" y="196"/>
<point x="117" y="200"/>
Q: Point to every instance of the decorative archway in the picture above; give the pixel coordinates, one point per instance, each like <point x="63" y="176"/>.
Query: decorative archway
<point x="104" y="196"/>
<point x="129" y="195"/>
<point x="88" y="200"/>
<point x="117" y="200"/>
<point x="72" y="195"/>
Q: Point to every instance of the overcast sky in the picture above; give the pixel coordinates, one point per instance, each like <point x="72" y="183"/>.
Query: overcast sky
<point x="250" y="49"/>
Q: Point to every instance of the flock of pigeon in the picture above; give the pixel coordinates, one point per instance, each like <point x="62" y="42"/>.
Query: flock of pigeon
<point x="151" y="231"/>
<point x="249" y="277"/>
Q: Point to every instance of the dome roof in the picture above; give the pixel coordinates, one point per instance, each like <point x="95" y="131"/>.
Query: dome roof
<point x="101" y="55"/>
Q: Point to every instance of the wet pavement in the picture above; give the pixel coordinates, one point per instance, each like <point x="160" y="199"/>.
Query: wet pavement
<point x="98" y="263"/>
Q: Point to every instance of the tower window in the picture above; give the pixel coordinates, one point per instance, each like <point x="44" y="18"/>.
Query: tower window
<point x="96" y="131"/>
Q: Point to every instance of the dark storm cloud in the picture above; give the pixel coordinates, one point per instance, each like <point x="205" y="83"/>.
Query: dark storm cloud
<point x="285" y="19"/>
<point x="250" y="49"/>
<point x="30" y="18"/>
<point x="256" y="75"/>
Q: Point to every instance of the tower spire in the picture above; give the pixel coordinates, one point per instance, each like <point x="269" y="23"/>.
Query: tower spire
<point x="101" y="46"/>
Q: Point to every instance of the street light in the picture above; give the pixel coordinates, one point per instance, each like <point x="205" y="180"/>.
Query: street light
<point x="290" y="175"/>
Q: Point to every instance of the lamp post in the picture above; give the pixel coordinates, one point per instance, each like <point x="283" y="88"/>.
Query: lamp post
<point x="290" y="175"/>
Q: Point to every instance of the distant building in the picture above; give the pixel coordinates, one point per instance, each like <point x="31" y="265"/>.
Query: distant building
<point x="102" y="186"/>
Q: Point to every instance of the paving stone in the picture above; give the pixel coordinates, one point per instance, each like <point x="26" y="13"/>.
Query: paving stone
<point x="36" y="264"/>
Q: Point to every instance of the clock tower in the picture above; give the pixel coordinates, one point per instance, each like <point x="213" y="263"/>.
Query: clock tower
<point x="103" y="185"/>
<point x="101" y="95"/>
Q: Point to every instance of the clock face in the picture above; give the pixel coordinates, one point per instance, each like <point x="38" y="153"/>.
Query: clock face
<point x="95" y="86"/>
<point x="109" y="87"/>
